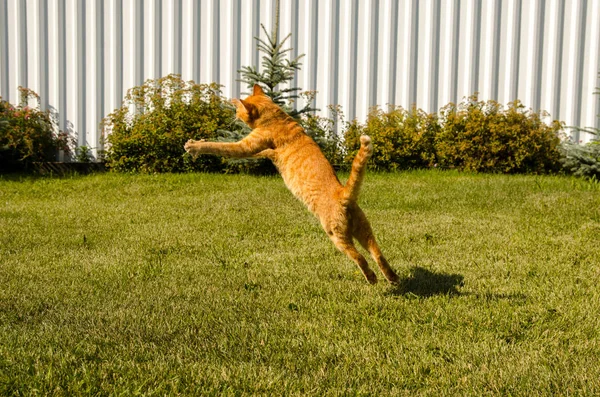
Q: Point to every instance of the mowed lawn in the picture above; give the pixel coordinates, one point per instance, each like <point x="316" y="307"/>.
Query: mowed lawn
<point x="202" y="284"/>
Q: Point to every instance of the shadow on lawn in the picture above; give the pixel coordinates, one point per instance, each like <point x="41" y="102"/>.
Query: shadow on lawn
<point x="424" y="283"/>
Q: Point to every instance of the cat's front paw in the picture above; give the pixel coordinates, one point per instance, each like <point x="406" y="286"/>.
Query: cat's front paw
<point x="366" y="143"/>
<point x="191" y="146"/>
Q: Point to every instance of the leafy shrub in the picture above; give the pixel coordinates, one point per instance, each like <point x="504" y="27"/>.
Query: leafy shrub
<point x="473" y="136"/>
<point x="147" y="133"/>
<point x="27" y="134"/>
<point x="401" y="139"/>
<point x="483" y="137"/>
<point x="323" y="131"/>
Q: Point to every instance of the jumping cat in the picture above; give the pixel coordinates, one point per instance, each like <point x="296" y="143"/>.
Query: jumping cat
<point x="307" y="173"/>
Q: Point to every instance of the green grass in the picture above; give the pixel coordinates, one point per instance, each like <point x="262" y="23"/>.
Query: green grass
<point x="226" y="285"/>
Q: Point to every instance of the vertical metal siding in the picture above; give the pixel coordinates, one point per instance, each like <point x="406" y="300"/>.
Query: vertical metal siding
<point x="82" y="56"/>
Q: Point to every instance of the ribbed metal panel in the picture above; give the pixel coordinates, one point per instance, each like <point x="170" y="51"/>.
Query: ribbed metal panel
<point x="82" y="56"/>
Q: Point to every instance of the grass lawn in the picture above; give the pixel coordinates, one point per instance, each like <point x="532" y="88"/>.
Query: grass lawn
<point x="226" y="285"/>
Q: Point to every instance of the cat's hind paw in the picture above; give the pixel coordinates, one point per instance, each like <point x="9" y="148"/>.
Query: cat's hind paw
<point x="371" y="277"/>
<point x="392" y="277"/>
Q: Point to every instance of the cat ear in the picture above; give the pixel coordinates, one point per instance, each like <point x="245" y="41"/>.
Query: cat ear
<point x="251" y="109"/>
<point x="245" y="107"/>
<point x="237" y="103"/>
<point x="258" y="90"/>
<point x="240" y="104"/>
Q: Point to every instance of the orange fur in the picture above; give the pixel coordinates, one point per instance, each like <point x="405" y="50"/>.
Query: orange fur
<point x="307" y="174"/>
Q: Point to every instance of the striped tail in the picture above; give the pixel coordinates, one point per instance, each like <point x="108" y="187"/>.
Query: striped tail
<point x="357" y="174"/>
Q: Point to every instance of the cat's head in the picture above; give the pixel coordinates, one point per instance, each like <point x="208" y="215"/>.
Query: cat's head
<point x="252" y="109"/>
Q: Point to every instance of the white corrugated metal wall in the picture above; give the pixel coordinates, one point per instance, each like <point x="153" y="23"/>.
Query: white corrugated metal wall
<point x="82" y="56"/>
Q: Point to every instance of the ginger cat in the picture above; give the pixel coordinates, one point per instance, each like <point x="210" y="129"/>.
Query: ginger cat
<point x="307" y="173"/>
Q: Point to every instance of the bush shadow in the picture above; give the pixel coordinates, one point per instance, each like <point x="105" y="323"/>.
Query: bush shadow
<point x="425" y="283"/>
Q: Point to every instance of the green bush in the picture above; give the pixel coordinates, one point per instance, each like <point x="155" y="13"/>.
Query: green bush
<point x="323" y="131"/>
<point x="147" y="133"/>
<point x="472" y="136"/>
<point x="484" y="137"/>
<point x="401" y="139"/>
<point x="27" y="134"/>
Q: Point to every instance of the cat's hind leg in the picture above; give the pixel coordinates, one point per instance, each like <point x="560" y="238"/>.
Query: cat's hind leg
<point x="345" y="244"/>
<point x="361" y="230"/>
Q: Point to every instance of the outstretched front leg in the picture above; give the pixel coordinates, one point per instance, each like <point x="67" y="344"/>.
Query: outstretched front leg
<point x="254" y="143"/>
<point x="267" y="153"/>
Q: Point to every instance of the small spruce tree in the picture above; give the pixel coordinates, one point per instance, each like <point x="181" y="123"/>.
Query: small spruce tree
<point x="584" y="160"/>
<point x="277" y="72"/>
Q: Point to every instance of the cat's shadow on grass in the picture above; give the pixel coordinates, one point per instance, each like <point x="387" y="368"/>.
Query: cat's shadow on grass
<point x="425" y="283"/>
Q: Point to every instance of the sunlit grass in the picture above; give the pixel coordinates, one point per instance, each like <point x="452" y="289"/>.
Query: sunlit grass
<point x="225" y="284"/>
